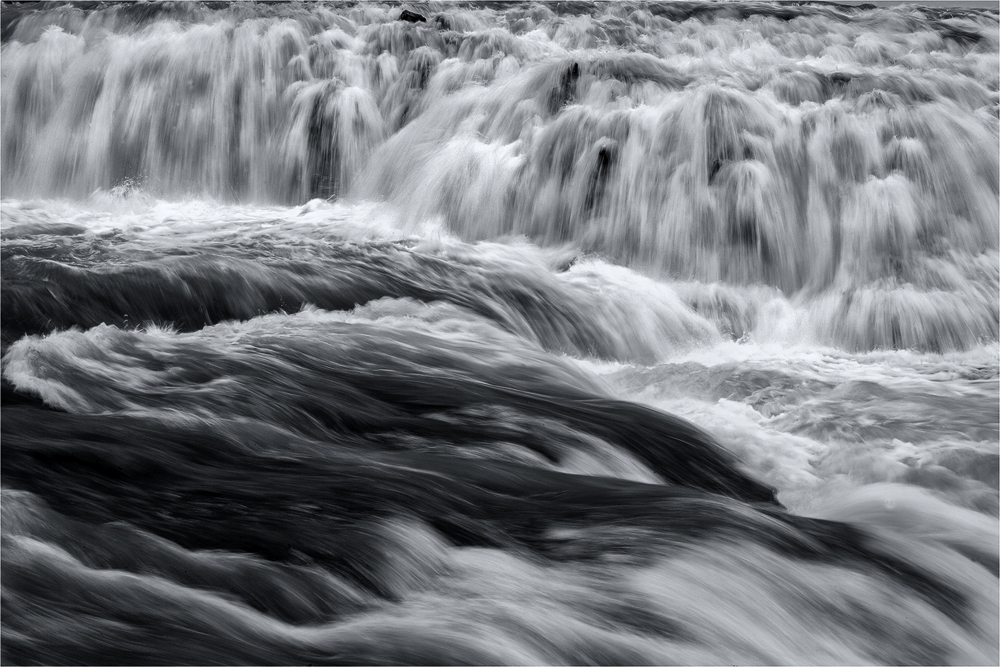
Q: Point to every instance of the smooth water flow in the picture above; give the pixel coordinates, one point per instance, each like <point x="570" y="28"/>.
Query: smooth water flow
<point x="500" y="333"/>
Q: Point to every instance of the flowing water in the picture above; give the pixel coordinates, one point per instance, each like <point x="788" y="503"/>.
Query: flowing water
<point x="499" y="333"/>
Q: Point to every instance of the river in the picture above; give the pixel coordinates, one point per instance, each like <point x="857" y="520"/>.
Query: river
<point x="500" y="333"/>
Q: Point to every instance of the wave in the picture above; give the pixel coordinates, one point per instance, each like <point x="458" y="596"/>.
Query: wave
<point x="578" y="309"/>
<point x="317" y="374"/>
<point x="207" y="487"/>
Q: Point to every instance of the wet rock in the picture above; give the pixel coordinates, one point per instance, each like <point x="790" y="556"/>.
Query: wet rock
<point x="412" y="17"/>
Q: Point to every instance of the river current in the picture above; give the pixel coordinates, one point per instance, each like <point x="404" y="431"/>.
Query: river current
<point x="499" y="333"/>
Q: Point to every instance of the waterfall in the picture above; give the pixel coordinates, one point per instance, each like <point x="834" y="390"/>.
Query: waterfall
<point x="814" y="153"/>
<point x="500" y="332"/>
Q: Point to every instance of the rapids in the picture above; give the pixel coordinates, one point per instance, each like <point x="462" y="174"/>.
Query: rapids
<point x="604" y="333"/>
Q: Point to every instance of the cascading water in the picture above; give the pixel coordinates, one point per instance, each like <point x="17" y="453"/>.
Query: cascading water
<point x="500" y="333"/>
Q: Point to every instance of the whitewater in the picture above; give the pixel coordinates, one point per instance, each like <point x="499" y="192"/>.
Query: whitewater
<point x="499" y="333"/>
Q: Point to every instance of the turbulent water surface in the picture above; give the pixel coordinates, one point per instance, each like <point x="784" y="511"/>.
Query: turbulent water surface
<point x="499" y="333"/>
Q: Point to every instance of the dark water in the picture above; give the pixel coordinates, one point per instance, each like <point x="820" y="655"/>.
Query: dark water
<point x="500" y="333"/>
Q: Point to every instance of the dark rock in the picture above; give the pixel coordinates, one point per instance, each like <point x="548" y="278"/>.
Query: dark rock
<point x="412" y="17"/>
